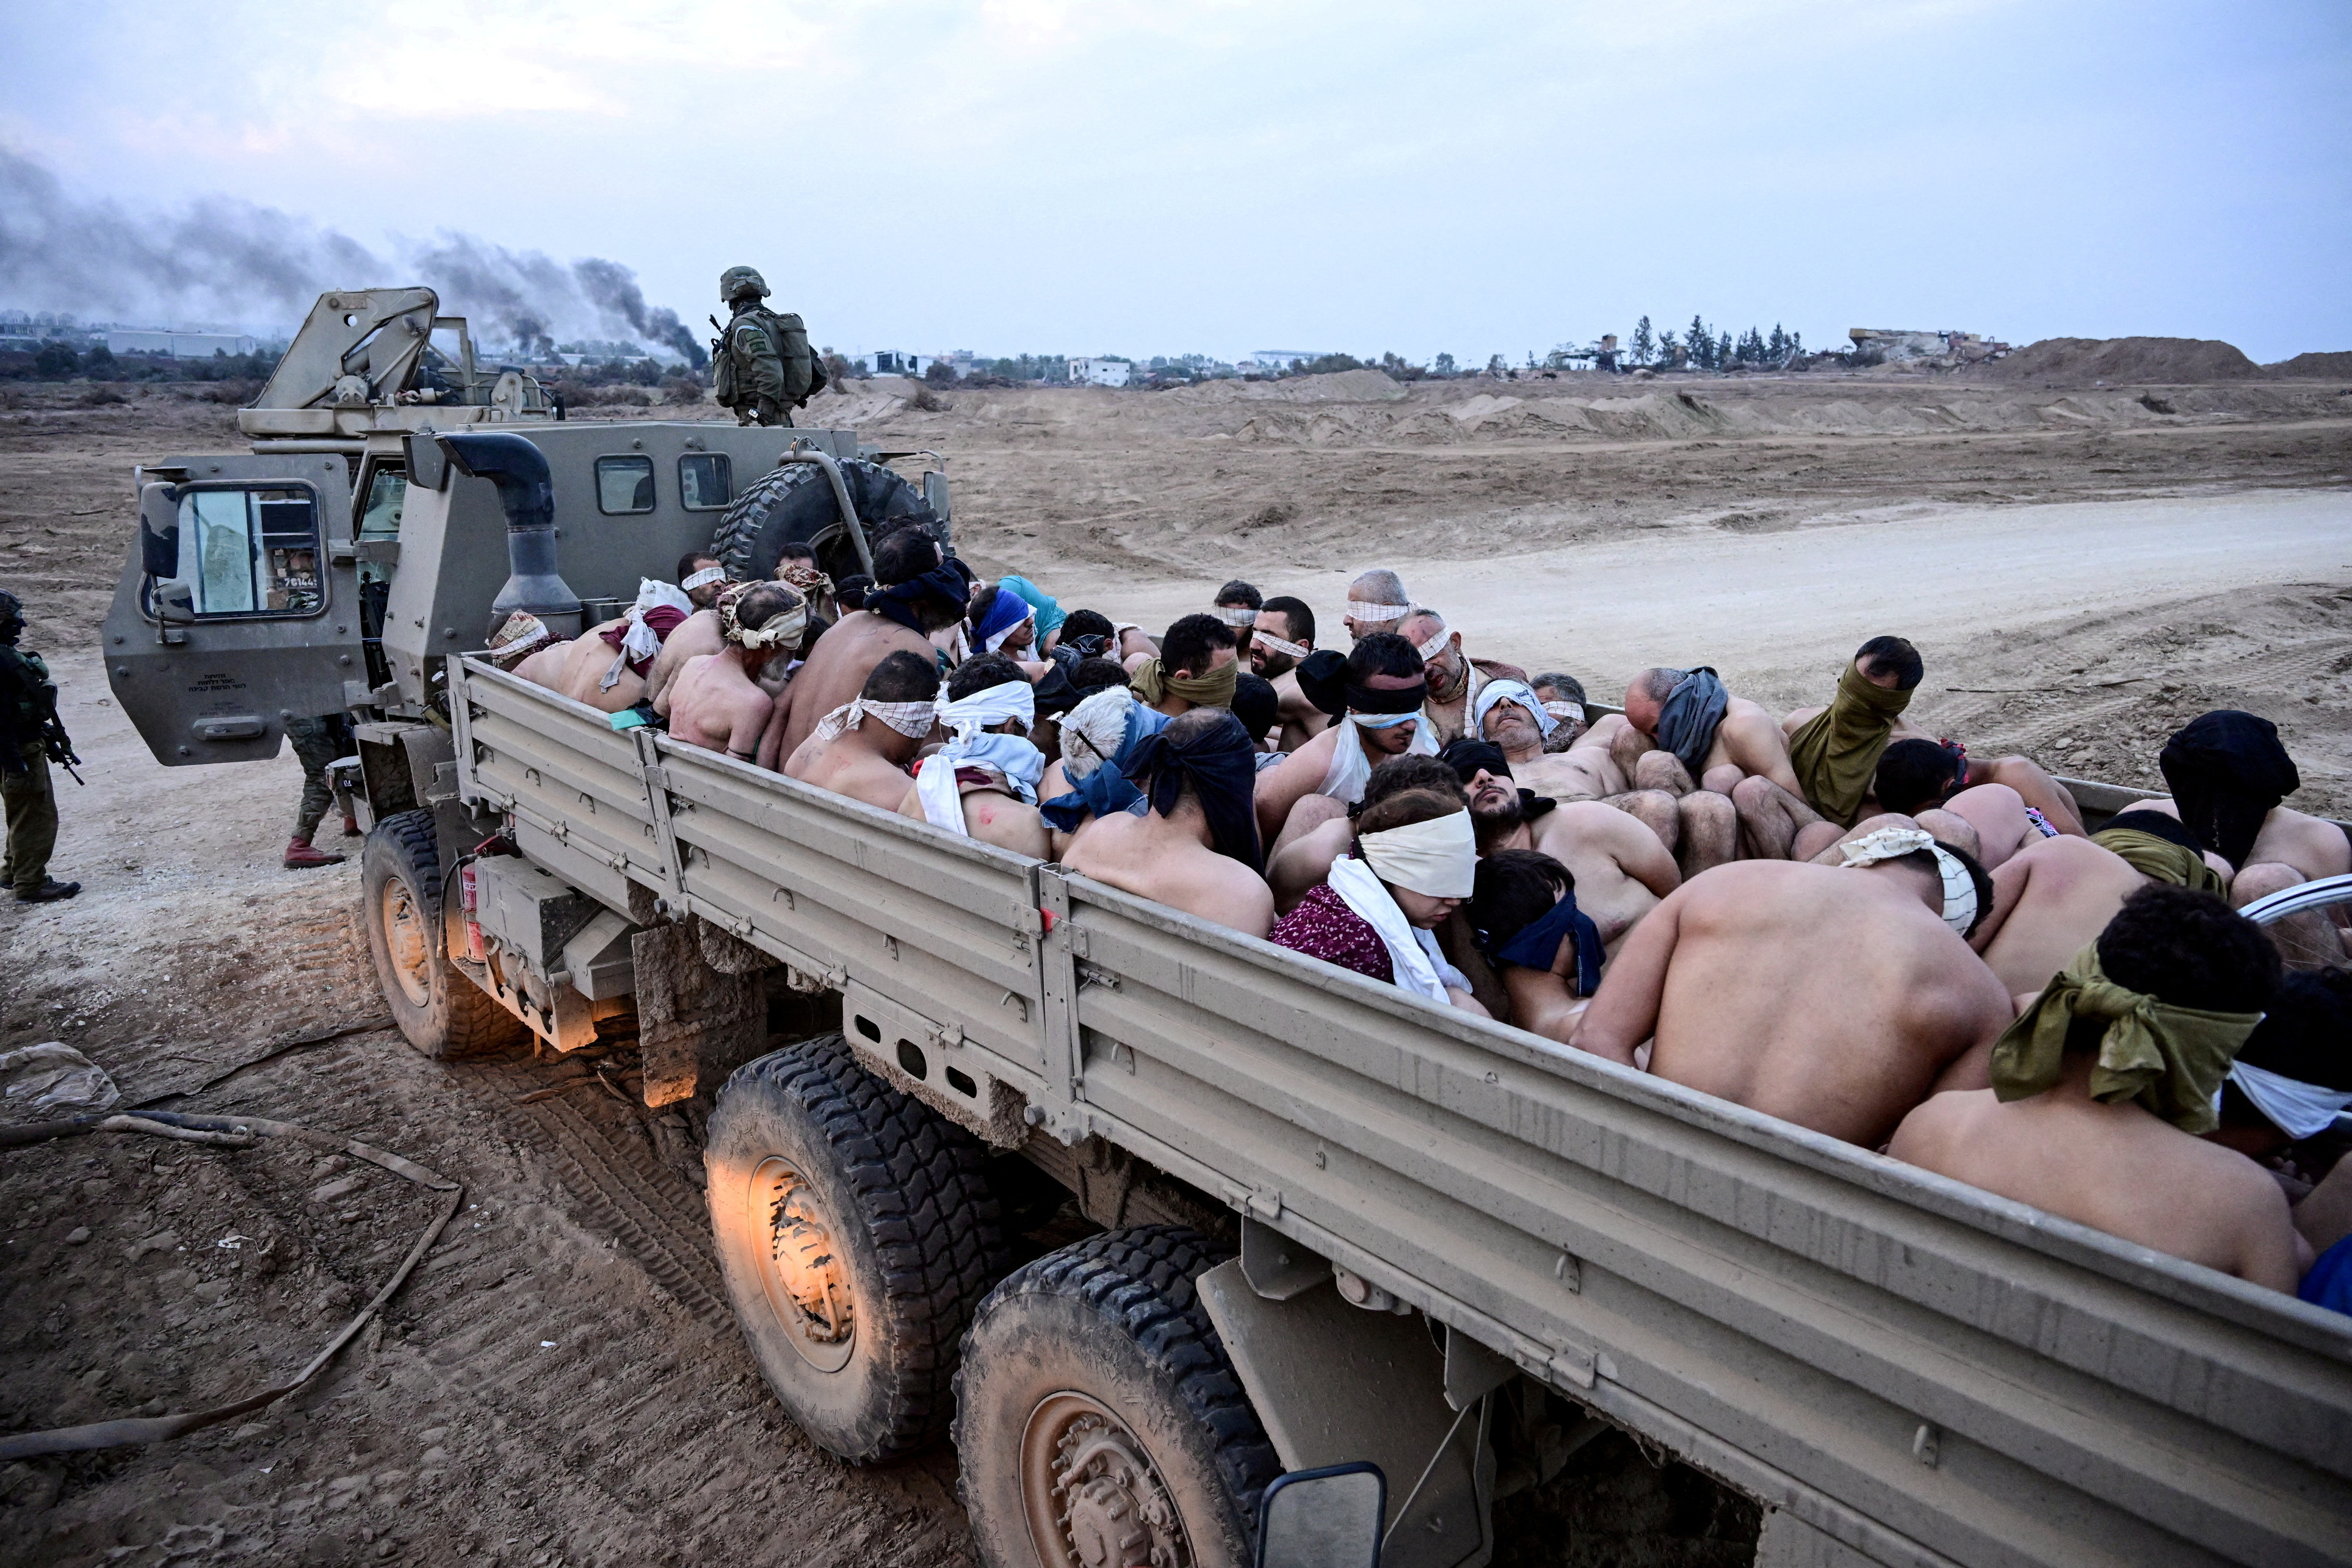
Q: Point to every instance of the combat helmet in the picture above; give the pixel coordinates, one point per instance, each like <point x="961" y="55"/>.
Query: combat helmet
<point x="737" y="281"/>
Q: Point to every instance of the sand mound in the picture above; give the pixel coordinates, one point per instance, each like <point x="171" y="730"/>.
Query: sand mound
<point x="2166" y="360"/>
<point x="2329" y="366"/>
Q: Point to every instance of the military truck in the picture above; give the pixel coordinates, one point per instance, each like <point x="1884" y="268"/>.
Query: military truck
<point x="1336" y="1226"/>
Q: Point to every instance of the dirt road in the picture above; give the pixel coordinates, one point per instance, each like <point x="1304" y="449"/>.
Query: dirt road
<point x="562" y="1384"/>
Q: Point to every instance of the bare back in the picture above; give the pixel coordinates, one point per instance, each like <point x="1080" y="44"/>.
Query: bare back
<point x="835" y="671"/>
<point x="1621" y="870"/>
<point x="698" y="634"/>
<point x="1147" y="857"/>
<point x="715" y="705"/>
<point x="586" y="660"/>
<point x="992" y="817"/>
<point x="1831" y="999"/>
<point x="847" y="766"/>
<point x="2049" y="900"/>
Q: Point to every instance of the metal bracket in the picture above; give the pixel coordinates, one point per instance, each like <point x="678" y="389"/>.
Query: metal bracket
<point x="1471" y="1371"/>
<point x="657" y="785"/>
<point x="1277" y="1267"/>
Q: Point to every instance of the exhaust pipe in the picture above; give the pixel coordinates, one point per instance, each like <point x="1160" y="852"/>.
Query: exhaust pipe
<point x="519" y="471"/>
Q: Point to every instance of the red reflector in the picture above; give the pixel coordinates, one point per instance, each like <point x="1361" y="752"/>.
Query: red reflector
<point x="1048" y="915"/>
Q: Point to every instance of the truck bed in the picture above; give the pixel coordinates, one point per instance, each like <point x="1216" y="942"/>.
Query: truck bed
<point x="1910" y="1370"/>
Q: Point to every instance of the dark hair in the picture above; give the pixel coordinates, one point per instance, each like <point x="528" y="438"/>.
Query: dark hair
<point x="1515" y="888"/>
<point x="904" y="556"/>
<point x="1892" y="656"/>
<point x="686" y="562"/>
<point x="1093" y="674"/>
<point x="1186" y="727"/>
<point x="1239" y="594"/>
<point x="1395" y="775"/>
<point x="1979" y="878"/>
<point x="1382" y="653"/>
<point x="2191" y="950"/>
<point x="851" y="590"/>
<point x="2306" y="1029"/>
<point x="1255" y="704"/>
<point x="1567" y="685"/>
<point x="982" y="600"/>
<point x="1911" y="773"/>
<point x="1193" y="642"/>
<point x="792" y="549"/>
<point x="1295" y="612"/>
<point x="1080" y="623"/>
<point x="981" y="672"/>
<point x="1658" y="682"/>
<point x="763" y="600"/>
<point x="903" y="676"/>
<point x="1407" y="807"/>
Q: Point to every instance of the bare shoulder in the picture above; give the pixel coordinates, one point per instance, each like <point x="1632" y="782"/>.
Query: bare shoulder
<point x="1939" y="1125"/>
<point x="1604" y="730"/>
<point x="1743" y="718"/>
<point x="1595" y="822"/>
<point x="1310" y="762"/>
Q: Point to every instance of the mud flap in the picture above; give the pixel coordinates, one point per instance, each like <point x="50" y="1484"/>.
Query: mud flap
<point x="695" y="1024"/>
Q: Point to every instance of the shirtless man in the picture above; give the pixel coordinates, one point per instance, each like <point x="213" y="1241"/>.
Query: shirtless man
<point x="863" y="750"/>
<point x="1454" y="681"/>
<point x="1382" y="688"/>
<point x="919" y="593"/>
<point x="1283" y="634"/>
<point x="1549" y="957"/>
<point x="1741" y="739"/>
<point x="1832" y="998"/>
<point x="1196" y="667"/>
<point x="991" y="763"/>
<point x="717" y="702"/>
<point x="1621" y="871"/>
<point x="698" y="636"/>
<point x="1703" y="826"/>
<point x="1377" y="601"/>
<point x="2048" y="900"/>
<point x="1833" y="755"/>
<point x="1195" y="849"/>
<point x="2227" y="773"/>
<point x="2001" y="795"/>
<point x="2039" y="1137"/>
<point x="1300" y="865"/>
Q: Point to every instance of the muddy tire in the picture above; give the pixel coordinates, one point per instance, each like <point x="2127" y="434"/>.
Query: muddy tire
<point x="443" y="1014"/>
<point x="1097" y="1420"/>
<point x="857" y="1236"/>
<point x="794" y="505"/>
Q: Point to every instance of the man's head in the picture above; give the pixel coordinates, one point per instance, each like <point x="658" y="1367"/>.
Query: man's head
<point x="2190" y="949"/>
<point x="1385" y="663"/>
<point x="1094" y="674"/>
<point x="1510" y="724"/>
<point x="1001" y="617"/>
<point x="1440" y="647"/>
<point x="1196" y="646"/>
<point x="978" y="674"/>
<point x="765" y="619"/>
<point x="1563" y="697"/>
<point x="796" y="564"/>
<point x="1947" y="878"/>
<point x="1516" y="889"/>
<point x="2293" y="1074"/>
<point x="1087" y="633"/>
<point x="1408" y="809"/>
<point x="904" y="554"/>
<point x="902" y="678"/>
<point x="741" y="283"/>
<point x="1376" y="602"/>
<point x="1395" y="775"/>
<point x="11" y="617"/>
<point x="1889" y="662"/>
<point x="1647" y="695"/>
<point x="1285" y="620"/>
<point x="1485" y="777"/>
<point x="850" y="591"/>
<point x="1255" y="704"/>
<point x="1916" y="775"/>
<point x="1202" y="768"/>
<point x="702" y="595"/>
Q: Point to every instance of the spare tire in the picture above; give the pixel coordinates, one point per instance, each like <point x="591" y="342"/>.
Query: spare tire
<point x="794" y="505"/>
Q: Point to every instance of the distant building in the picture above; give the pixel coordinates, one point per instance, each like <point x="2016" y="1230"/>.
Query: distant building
<point x="1100" y="372"/>
<point x="1881" y="346"/>
<point x="888" y="362"/>
<point x="166" y="344"/>
<point x="1268" y="361"/>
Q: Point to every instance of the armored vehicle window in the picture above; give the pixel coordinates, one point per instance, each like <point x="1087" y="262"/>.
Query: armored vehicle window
<point x="706" y="480"/>
<point x="625" y="485"/>
<point x="257" y="551"/>
<point x="380" y="517"/>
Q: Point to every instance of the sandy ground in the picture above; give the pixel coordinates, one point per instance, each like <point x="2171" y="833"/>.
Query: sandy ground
<point x="561" y="1383"/>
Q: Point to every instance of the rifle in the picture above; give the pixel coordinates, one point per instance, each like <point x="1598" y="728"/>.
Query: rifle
<point x="53" y="738"/>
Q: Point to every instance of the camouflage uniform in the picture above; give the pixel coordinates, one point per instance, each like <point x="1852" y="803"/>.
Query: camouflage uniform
<point x="317" y="742"/>
<point x="768" y="363"/>
<point x="28" y="792"/>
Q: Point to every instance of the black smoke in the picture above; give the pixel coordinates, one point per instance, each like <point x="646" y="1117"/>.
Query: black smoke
<point x="222" y="259"/>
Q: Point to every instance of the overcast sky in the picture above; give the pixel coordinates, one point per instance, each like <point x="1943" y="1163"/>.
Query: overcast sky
<point x="1143" y="178"/>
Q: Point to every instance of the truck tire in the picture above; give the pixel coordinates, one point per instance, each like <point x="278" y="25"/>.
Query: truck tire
<point x="857" y="1236"/>
<point x="1098" y="1420"/>
<point x="794" y="504"/>
<point x="442" y="1013"/>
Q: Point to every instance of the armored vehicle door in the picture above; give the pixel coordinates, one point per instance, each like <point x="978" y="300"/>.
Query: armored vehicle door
<point x="239" y="605"/>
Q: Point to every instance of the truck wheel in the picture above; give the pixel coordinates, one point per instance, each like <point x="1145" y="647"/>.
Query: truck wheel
<point x="858" y="1235"/>
<point x="794" y="504"/>
<point x="444" y="1014"/>
<point x="1098" y="1420"/>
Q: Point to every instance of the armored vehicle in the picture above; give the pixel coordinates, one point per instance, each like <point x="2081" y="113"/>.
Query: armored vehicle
<point x="1335" y="1225"/>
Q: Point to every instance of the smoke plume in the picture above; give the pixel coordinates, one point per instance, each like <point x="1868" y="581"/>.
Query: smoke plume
<point x="227" y="260"/>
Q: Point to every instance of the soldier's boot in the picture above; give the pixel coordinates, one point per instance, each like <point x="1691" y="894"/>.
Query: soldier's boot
<point x="48" y="891"/>
<point x="351" y="825"/>
<point x="301" y="856"/>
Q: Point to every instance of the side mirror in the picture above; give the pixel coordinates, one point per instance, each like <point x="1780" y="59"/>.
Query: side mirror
<point x="1329" y="1518"/>
<point x="174" y="603"/>
<point x="159" y="531"/>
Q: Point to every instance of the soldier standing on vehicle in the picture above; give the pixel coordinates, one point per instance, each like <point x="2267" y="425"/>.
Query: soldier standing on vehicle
<point x="318" y="742"/>
<point x="761" y="365"/>
<point x="30" y="738"/>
